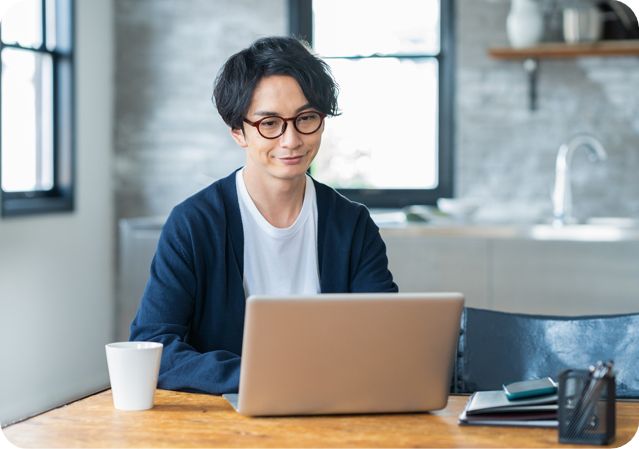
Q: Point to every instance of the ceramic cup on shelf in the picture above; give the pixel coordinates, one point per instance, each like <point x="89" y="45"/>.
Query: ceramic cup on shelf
<point x="582" y="24"/>
<point x="525" y="23"/>
<point x="133" y="371"/>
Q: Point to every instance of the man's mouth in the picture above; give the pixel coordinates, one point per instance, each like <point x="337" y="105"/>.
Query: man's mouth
<point x="292" y="159"/>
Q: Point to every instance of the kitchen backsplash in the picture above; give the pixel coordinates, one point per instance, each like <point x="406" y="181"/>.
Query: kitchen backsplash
<point x="506" y="153"/>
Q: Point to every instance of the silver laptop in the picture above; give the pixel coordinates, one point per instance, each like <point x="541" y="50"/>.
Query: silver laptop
<point x="347" y="353"/>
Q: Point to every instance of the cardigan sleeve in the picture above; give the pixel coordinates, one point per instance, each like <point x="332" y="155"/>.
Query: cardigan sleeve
<point x="371" y="273"/>
<point x="351" y="253"/>
<point x="164" y="316"/>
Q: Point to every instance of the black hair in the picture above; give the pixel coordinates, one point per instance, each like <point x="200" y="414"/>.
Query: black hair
<point x="275" y="55"/>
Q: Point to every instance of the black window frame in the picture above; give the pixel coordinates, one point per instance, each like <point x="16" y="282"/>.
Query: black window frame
<point x="60" y="198"/>
<point x="301" y="25"/>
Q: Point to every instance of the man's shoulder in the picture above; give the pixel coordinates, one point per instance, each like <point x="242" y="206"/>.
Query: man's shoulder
<point x="208" y="206"/>
<point x="335" y="203"/>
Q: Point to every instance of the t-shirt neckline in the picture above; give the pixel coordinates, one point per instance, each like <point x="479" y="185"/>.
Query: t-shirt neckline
<point x="267" y="227"/>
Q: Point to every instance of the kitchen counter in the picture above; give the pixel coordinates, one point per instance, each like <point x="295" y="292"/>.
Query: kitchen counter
<point x="585" y="233"/>
<point x="573" y="270"/>
<point x="539" y="269"/>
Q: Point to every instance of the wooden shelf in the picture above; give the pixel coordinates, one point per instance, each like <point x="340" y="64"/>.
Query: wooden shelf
<point x="563" y="50"/>
<point x="558" y="50"/>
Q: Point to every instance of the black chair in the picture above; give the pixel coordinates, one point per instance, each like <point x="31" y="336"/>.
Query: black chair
<point x="497" y="348"/>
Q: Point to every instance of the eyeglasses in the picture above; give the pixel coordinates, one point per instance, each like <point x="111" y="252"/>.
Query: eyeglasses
<point x="273" y="127"/>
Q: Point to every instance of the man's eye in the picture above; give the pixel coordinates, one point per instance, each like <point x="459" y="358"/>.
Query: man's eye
<point x="307" y="118"/>
<point x="269" y="123"/>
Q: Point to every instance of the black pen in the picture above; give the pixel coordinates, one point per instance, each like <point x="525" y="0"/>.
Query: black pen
<point x="593" y="392"/>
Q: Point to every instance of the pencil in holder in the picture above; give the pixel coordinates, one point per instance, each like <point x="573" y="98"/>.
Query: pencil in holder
<point x="586" y="412"/>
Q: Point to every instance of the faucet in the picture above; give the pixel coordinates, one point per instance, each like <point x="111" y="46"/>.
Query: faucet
<point x="562" y="195"/>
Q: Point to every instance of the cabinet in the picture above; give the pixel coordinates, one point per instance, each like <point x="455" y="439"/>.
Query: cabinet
<point x="138" y="241"/>
<point x="441" y="265"/>
<point x="565" y="278"/>
<point x="520" y="275"/>
<point x="494" y="268"/>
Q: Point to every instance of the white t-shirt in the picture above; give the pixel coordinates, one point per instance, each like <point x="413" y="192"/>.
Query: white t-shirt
<point x="279" y="261"/>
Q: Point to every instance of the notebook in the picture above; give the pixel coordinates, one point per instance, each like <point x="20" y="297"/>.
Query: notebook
<point x="493" y="408"/>
<point x="347" y="353"/>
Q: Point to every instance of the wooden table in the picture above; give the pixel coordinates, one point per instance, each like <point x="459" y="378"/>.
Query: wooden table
<point x="195" y="420"/>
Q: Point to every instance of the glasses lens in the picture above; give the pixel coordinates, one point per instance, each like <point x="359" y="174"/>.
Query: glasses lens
<point x="271" y="126"/>
<point x="308" y="122"/>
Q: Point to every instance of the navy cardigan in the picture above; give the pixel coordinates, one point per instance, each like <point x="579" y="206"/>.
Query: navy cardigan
<point x="194" y="301"/>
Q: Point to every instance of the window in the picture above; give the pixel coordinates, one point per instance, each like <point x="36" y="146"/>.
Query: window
<point x="393" y="144"/>
<point x="36" y="166"/>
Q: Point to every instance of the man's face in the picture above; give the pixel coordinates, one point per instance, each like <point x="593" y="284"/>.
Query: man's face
<point x="290" y="155"/>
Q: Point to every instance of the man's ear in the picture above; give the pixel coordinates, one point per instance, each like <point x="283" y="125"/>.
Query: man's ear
<point x="238" y="136"/>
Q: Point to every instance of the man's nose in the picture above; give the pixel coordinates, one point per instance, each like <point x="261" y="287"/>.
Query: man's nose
<point x="291" y="138"/>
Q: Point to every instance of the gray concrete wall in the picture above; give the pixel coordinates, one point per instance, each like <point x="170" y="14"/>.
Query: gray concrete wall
<point x="169" y="139"/>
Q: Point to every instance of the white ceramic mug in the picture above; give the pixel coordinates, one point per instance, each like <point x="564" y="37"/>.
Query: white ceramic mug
<point x="583" y="24"/>
<point x="133" y="371"/>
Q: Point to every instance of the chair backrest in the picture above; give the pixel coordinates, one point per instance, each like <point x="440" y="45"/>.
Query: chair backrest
<point x="498" y="347"/>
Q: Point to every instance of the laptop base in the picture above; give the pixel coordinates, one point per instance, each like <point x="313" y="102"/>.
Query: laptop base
<point x="232" y="399"/>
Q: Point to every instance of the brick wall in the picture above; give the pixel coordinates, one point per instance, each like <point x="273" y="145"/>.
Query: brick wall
<point x="170" y="142"/>
<point x="169" y="139"/>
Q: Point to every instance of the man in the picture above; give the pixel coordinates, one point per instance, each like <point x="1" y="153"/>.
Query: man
<point x="268" y="228"/>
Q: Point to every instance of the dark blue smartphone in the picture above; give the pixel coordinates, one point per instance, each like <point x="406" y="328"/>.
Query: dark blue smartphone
<point x="530" y="388"/>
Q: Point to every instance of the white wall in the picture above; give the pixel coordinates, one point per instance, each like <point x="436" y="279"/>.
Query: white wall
<point x="56" y="271"/>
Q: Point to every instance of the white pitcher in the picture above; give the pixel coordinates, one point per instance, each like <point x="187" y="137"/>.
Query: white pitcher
<point x="525" y="23"/>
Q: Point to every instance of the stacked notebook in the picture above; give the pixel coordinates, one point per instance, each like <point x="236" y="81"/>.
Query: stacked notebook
<point x="493" y="408"/>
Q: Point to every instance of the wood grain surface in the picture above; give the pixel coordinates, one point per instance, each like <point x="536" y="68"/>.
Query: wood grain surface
<point x="196" y="420"/>
<point x="562" y="50"/>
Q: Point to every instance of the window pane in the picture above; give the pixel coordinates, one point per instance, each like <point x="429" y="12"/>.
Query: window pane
<point x="22" y="23"/>
<point x="51" y="24"/>
<point x="27" y="121"/>
<point x="362" y="28"/>
<point x="386" y="137"/>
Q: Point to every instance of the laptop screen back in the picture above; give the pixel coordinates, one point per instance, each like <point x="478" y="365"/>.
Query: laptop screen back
<point x="348" y="353"/>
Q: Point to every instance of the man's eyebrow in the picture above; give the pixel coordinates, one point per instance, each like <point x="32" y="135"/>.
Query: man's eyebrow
<point x="264" y="113"/>
<point x="270" y="113"/>
<point x="306" y="106"/>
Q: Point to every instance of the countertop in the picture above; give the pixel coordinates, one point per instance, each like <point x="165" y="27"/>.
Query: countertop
<point x="585" y="233"/>
<point x="395" y="225"/>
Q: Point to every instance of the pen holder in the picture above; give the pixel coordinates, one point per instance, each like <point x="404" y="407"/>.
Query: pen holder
<point x="586" y="408"/>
